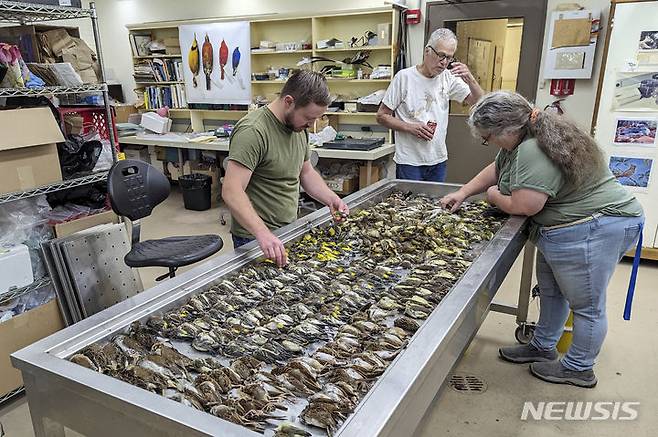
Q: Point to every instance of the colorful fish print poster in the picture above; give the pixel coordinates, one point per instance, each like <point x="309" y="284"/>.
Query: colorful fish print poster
<point x="216" y="62"/>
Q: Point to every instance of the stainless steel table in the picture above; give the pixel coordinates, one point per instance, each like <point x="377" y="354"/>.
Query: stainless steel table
<point x="62" y="394"/>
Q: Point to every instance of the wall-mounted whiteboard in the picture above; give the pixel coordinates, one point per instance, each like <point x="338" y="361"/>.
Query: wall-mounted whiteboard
<point x="217" y="62"/>
<point x="625" y="125"/>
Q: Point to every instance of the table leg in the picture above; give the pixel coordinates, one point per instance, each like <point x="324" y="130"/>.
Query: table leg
<point x="180" y="161"/>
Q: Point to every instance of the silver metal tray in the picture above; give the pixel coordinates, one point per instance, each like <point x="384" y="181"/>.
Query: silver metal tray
<point x="62" y="394"/>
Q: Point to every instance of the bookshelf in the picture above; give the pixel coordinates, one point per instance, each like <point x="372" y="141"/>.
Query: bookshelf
<point x="307" y="31"/>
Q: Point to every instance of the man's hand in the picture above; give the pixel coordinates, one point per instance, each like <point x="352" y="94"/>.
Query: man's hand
<point x="339" y="209"/>
<point x="461" y="70"/>
<point x="272" y="247"/>
<point x="453" y="201"/>
<point x="420" y="130"/>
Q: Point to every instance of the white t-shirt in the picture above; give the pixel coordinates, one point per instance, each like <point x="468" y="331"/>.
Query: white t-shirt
<point x="416" y="98"/>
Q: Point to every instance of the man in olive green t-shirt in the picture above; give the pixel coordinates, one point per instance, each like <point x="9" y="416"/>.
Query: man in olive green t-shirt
<point x="268" y="159"/>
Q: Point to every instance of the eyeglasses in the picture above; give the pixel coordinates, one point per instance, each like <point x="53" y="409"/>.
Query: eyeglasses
<point x="485" y="140"/>
<point x="442" y="56"/>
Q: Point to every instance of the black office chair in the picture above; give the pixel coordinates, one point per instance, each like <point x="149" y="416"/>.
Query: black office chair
<point x="135" y="188"/>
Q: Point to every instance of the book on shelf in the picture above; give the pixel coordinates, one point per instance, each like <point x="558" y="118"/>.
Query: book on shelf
<point x="158" y="70"/>
<point x="172" y="96"/>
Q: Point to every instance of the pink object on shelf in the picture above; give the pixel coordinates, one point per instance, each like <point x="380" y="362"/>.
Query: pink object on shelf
<point x="163" y="112"/>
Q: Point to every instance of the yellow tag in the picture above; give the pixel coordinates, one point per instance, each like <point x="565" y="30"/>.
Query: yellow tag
<point x="121" y="156"/>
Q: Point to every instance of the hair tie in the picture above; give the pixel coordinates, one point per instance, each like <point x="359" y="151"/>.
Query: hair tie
<point x="533" y="115"/>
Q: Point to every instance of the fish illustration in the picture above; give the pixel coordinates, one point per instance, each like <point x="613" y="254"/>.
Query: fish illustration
<point x="223" y="56"/>
<point x="236" y="60"/>
<point x="193" y="60"/>
<point x="206" y="54"/>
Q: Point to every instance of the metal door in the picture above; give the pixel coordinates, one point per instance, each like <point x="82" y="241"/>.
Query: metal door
<point x="466" y="154"/>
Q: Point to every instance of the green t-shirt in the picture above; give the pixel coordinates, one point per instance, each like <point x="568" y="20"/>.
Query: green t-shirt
<point x="527" y="166"/>
<point x="275" y="154"/>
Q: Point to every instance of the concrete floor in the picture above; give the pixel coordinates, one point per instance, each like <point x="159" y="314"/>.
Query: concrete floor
<point x="627" y="367"/>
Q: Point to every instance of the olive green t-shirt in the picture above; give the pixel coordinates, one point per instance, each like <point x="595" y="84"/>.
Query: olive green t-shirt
<point x="275" y="154"/>
<point x="527" y="166"/>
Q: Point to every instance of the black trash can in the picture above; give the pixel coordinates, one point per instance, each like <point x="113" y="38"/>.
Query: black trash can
<point x="196" y="191"/>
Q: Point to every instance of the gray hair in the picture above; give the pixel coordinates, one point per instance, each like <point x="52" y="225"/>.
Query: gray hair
<point x="441" y="34"/>
<point x="307" y="87"/>
<point x="574" y="151"/>
<point x="500" y="113"/>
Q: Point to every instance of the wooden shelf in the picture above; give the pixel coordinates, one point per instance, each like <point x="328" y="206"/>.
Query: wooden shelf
<point x="335" y="79"/>
<point x="350" y="113"/>
<point x="353" y="49"/>
<point x="157" y="56"/>
<point x="157" y="83"/>
<point x="282" y="52"/>
<point x="329" y="79"/>
<point x="190" y="111"/>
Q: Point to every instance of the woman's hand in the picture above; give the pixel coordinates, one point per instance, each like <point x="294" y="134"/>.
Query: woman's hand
<point x="493" y="193"/>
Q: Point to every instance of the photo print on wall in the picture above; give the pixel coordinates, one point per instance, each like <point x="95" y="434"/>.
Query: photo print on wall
<point x="215" y="71"/>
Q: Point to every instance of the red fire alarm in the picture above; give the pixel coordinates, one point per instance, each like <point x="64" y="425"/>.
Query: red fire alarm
<point x="413" y="16"/>
<point x="562" y="87"/>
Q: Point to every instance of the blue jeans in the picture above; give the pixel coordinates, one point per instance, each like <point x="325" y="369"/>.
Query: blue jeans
<point x="240" y="241"/>
<point x="429" y="173"/>
<point x="574" y="267"/>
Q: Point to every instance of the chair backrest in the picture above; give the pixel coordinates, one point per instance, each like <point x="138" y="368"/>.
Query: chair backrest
<point x="135" y="188"/>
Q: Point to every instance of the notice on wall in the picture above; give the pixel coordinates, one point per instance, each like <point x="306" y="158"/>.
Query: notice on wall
<point x="571" y="33"/>
<point x="217" y="62"/>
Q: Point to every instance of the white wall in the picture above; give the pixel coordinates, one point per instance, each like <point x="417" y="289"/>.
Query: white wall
<point x="114" y="15"/>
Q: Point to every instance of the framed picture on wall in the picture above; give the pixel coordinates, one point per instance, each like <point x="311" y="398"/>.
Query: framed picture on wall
<point x="636" y="92"/>
<point x="635" y="132"/>
<point x="218" y="70"/>
<point x="139" y="43"/>
<point x="631" y="171"/>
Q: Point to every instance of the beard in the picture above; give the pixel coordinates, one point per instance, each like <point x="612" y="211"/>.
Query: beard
<point x="288" y="122"/>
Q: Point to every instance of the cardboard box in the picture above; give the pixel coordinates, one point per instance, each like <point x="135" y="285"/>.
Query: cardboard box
<point x="21" y="331"/>
<point x="210" y="170"/>
<point x="28" y="153"/>
<point x="375" y="175"/>
<point x="156" y="123"/>
<point x="73" y="124"/>
<point x="137" y="153"/>
<point x="325" y="121"/>
<point x="172" y="46"/>
<point x="68" y="228"/>
<point x="174" y="172"/>
<point x="122" y="112"/>
<point x="343" y="185"/>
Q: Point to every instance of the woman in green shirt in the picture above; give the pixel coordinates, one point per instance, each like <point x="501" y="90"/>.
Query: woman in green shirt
<point x="581" y="219"/>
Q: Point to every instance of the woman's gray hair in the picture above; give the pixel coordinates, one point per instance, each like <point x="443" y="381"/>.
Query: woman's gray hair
<point x="574" y="151"/>
<point x="441" y="34"/>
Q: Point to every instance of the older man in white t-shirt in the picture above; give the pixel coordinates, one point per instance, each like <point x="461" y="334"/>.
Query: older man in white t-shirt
<point x="416" y="106"/>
